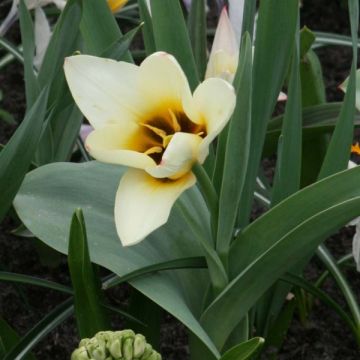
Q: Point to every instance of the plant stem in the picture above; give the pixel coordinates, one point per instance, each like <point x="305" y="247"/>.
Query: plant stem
<point x="217" y="273"/>
<point x="209" y="194"/>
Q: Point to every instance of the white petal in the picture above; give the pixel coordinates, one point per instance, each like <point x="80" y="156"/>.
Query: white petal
<point x="162" y="81"/>
<point x="143" y="203"/>
<point x="344" y="86"/>
<point x="212" y="104"/>
<point x="42" y="36"/>
<point x="117" y="144"/>
<point x="236" y="14"/>
<point x="178" y="158"/>
<point x="356" y="246"/>
<point x="224" y="54"/>
<point x="105" y="90"/>
<point x="282" y="96"/>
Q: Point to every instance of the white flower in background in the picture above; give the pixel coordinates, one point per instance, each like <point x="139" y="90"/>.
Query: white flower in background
<point x="146" y="118"/>
<point x="356" y="223"/>
<point x="42" y="36"/>
<point x="344" y="86"/>
<point x="224" y="55"/>
<point x="236" y="14"/>
<point x="31" y="4"/>
<point x="355" y="149"/>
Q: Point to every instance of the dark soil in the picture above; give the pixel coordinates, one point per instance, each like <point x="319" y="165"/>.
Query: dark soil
<point x="323" y="336"/>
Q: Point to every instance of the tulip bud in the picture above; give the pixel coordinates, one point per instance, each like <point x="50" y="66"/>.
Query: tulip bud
<point x="223" y="59"/>
<point x="115" y="345"/>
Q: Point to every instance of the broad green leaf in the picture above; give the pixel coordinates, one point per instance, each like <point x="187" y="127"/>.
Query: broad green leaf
<point x="8" y="339"/>
<point x="273" y="47"/>
<point x="90" y="315"/>
<point x="99" y="28"/>
<point x="311" y="215"/>
<point x="50" y="194"/>
<point x="16" y="156"/>
<point x="237" y="150"/>
<point x="147" y="30"/>
<point x="28" y="41"/>
<point x="245" y="350"/>
<point x="40" y="330"/>
<point x="337" y="155"/>
<point x="197" y="32"/>
<point x="171" y="36"/>
<point x="288" y="164"/>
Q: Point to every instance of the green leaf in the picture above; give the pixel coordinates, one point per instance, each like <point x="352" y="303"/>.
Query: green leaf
<point x="311" y="215"/>
<point x="171" y="36"/>
<point x="28" y="41"/>
<point x="31" y="280"/>
<point x="197" y="32"/>
<point x="90" y="315"/>
<point x="64" y="41"/>
<point x="307" y="38"/>
<point x="40" y="330"/>
<point x="328" y="300"/>
<point x="16" y="156"/>
<point x="237" y="150"/>
<point x="288" y="164"/>
<point x="99" y="28"/>
<point x="273" y="47"/>
<point x="57" y="142"/>
<point x="325" y="39"/>
<point x="337" y="155"/>
<point x="312" y="81"/>
<point x="118" y="50"/>
<point x="147" y="30"/>
<point x="46" y="202"/>
<point x="8" y="339"/>
<point x="12" y="49"/>
<point x="245" y="350"/>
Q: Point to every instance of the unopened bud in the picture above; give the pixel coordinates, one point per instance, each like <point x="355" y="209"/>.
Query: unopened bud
<point x="80" y="354"/>
<point x="115" y="345"/>
<point x="139" y="345"/>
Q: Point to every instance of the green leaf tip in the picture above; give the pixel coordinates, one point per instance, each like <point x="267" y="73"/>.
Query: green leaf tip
<point x="115" y="345"/>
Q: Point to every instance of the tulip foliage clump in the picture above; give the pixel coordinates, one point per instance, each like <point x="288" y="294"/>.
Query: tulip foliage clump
<point x="141" y="152"/>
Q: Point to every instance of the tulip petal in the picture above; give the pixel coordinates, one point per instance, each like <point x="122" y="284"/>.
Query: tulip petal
<point x="163" y="82"/>
<point x="113" y="144"/>
<point x="178" y="158"/>
<point x="212" y="104"/>
<point x="223" y="59"/>
<point x="105" y="90"/>
<point x="143" y="203"/>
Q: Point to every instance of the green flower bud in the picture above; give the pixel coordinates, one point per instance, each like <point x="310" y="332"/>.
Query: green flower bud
<point x="118" y="345"/>
<point x="80" y="354"/>
<point x="139" y="345"/>
<point x="128" y="349"/>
